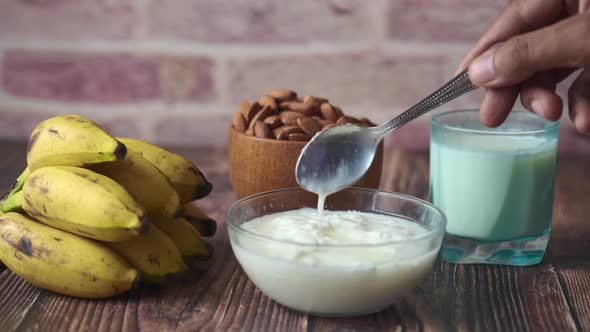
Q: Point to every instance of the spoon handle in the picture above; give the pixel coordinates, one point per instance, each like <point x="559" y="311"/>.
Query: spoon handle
<point x="454" y="88"/>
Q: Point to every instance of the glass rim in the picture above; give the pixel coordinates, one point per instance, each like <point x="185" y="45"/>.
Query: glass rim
<point x="435" y="120"/>
<point x="432" y="232"/>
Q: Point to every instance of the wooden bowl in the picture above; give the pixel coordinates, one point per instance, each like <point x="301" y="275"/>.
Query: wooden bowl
<point x="258" y="164"/>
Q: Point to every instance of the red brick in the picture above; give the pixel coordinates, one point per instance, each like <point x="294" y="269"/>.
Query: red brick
<point x="124" y="125"/>
<point x="441" y="20"/>
<point x="105" y="78"/>
<point x="67" y="19"/>
<point x="191" y="129"/>
<point x="80" y="77"/>
<point x="186" y="79"/>
<point x="359" y="79"/>
<point x="263" y="20"/>
<point x="18" y="124"/>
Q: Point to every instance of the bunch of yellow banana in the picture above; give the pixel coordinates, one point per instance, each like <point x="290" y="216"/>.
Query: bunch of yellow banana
<point x="91" y="215"/>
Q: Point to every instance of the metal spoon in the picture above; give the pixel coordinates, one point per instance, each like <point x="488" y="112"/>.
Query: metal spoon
<point x="338" y="157"/>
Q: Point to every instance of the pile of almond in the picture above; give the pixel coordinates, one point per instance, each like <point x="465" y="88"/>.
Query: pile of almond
<point x="281" y="115"/>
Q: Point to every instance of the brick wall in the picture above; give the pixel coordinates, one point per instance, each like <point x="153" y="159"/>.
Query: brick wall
<point x="173" y="71"/>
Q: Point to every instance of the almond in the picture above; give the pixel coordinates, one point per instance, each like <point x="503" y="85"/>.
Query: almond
<point x="289" y="118"/>
<point x="273" y="121"/>
<point x="321" y="120"/>
<point x="298" y="137"/>
<point x="338" y="110"/>
<point x="329" y="112"/>
<point x="347" y="119"/>
<point x="243" y="107"/>
<point x="283" y="132"/>
<point x="314" y="100"/>
<point x="262" y="130"/>
<point x="268" y="101"/>
<point x="366" y="122"/>
<point x="284" y="105"/>
<point x="264" y="113"/>
<point x="251" y="112"/>
<point x="303" y="108"/>
<point x="310" y="126"/>
<point x="282" y="94"/>
<point x="239" y="122"/>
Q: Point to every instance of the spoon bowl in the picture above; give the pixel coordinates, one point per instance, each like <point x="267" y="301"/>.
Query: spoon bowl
<point x="336" y="158"/>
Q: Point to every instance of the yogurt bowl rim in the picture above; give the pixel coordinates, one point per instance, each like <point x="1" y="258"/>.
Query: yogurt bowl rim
<point x="431" y="232"/>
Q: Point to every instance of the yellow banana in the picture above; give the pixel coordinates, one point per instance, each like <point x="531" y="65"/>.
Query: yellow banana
<point x="154" y="254"/>
<point x="145" y="183"/>
<point x="71" y="140"/>
<point x="205" y="225"/>
<point x="186" y="238"/>
<point x="186" y="178"/>
<point x="62" y="262"/>
<point x="80" y="201"/>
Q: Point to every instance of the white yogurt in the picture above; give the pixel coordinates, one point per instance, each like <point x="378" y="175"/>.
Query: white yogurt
<point x="312" y="269"/>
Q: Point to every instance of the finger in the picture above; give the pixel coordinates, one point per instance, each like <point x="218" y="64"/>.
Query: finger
<point x="579" y="101"/>
<point x="538" y="96"/>
<point x="496" y="105"/>
<point x="564" y="44"/>
<point x="516" y="18"/>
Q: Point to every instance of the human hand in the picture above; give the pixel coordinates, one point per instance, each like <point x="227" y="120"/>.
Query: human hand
<point x="542" y="43"/>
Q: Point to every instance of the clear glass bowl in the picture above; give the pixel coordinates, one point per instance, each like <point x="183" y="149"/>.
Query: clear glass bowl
<point x="336" y="289"/>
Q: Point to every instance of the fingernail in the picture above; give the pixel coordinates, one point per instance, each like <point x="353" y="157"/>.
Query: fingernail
<point x="482" y="69"/>
<point x="537" y="107"/>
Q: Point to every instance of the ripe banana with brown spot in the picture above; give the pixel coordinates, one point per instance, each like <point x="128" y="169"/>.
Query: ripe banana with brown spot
<point x="71" y="140"/>
<point x="145" y="183"/>
<point x="154" y="254"/>
<point x="186" y="238"/>
<point x="186" y="178"/>
<point x="82" y="202"/>
<point x="196" y="217"/>
<point x="62" y="262"/>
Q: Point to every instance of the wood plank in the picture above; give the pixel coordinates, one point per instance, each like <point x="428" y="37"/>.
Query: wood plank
<point x="570" y="235"/>
<point x="574" y="276"/>
<point x="211" y="295"/>
<point x="17" y="297"/>
<point x="217" y="295"/>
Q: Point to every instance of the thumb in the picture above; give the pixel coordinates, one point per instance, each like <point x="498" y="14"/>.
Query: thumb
<point x="564" y="44"/>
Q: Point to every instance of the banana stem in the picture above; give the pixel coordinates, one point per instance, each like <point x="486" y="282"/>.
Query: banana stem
<point x="20" y="181"/>
<point x="13" y="203"/>
<point x="16" y="187"/>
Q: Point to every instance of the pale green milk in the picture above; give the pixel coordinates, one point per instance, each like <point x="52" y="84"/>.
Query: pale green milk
<point x="493" y="187"/>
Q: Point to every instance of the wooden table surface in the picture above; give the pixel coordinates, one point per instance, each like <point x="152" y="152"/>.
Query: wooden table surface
<point x="217" y="295"/>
